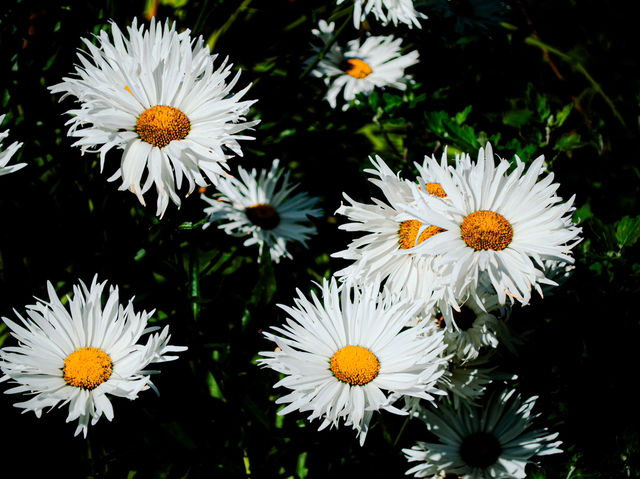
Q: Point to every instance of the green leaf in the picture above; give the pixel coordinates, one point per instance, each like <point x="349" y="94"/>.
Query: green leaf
<point x="517" y="118"/>
<point x="214" y="389"/>
<point x="628" y="231"/>
<point x="462" y="116"/>
<point x="568" y="142"/>
<point x="301" y="470"/>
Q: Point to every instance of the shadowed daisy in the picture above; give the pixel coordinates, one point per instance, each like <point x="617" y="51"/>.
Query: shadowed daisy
<point x="157" y="96"/>
<point x="80" y="354"/>
<point x="505" y="225"/>
<point x="386" y="11"/>
<point x="340" y="354"/>
<point x="495" y="441"/>
<point x="264" y="209"/>
<point x="6" y="154"/>
<point x="361" y="67"/>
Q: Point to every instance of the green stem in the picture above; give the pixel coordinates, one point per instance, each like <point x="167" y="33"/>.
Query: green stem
<point x="404" y="425"/>
<point x="324" y="50"/>
<point x="215" y="35"/>
<point x="194" y="276"/>
<point x="577" y="66"/>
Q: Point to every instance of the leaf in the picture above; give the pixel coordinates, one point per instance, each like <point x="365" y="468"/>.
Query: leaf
<point x="568" y="142"/>
<point x="214" y="389"/>
<point x="628" y="231"/>
<point x="517" y="118"/>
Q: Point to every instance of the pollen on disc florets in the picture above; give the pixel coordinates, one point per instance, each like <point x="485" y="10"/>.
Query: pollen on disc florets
<point x="480" y="449"/>
<point x="162" y="124"/>
<point x="483" y="230"/>
<point x="436" y="189"/>
<point x="355" y="365"/>
<point x="409" y="231"/>
<point x="87" y="368"/>
<point x="263" y="215"/>
<point x="356" y="67"/>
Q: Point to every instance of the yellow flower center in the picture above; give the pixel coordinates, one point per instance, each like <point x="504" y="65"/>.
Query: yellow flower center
<point x="409" y="231"/>
<point x="355" y="365"/>
<point x="87" y="368"/>
<point x="356" y="68"/>
<point x="483" y="230"/>
<point x="161" y="124"/>
<point x="436" y="189"/>
<point x="263" y="215"/>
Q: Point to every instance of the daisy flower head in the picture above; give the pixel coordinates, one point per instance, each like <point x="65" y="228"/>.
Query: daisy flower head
<point x="81" y="354"/>
<point x="495" y="441"/>
<point x="6" y="154"/>
<point x="503" y="224"/>
<point x="361" y="67"/>
<point x="157" y="96"/>
<point x="349" y="354"/>
<point x="387" y="234"/>
<point x="386" y="11"/>
<point x="263" y="208"/>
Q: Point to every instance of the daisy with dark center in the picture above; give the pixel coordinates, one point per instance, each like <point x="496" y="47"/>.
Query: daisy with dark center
<point x="6" y="154"/>
<point x="498" y="223"/>
<point x="361" y="67"/>
<point x="349" y="354"/>
<point x="495" y="441"/>
<point x="264" y="209"/>
<point x="157" y="96"/>
<point x="81" y="354"/>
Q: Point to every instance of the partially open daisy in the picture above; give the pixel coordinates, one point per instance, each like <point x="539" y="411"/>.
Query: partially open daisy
<point x="81" y="354"/>
<point x="503" y="224"/>
<point x="377" y="253"/>
<point x="340" y="354"/>
<point x="264" y="209"/>
<point x="6" y="154"/>
<point x="482" y="442"/>
<point x="157" y="96"/>
<point x="361" y="67"/>
<point x="386" y="11"/>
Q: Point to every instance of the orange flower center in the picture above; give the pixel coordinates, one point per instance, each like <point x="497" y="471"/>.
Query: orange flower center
<point x="161" y="124"/>
<point x="355" y="365"/>
<point x="87" y="368"/>
<point x="484" y="230"/>
<point x="436" y="189"/>
<point x="409" y="231"/>
<point x="356" y="68"/>
<point x="263" y="215"/>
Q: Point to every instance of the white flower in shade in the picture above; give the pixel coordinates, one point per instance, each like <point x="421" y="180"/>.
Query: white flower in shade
<point x="361" y="67"/>
<point x="263" y="208"/>
<point x="466" y="382"/>
<point x="157" y="96"/>
<point x="495" y="441"/>
<point x="378" y="252"/>
<point x="386" y="11"/>
<point x="5" y="155"/>
<point x="503" y="224"/>
<point x="80" y="354"/>
<point x="342" y="353"/>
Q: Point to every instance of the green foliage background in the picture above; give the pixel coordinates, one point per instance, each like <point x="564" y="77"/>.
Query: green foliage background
<point x="558" y="78"/>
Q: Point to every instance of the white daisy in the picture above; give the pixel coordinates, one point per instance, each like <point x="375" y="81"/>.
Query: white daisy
<point x="80" y="354"/>
<point x="378" y="252"/>
<point x="263" y="209"/>
<point x="157" y="96"/>
<point x="340" y="354"/>
<point x="503" y="224"/>
<point x="359" y="68"/>
<point x="495" y="441"/>
<point x="5" y="155"/>
<point x="386" y="11"/>
<point x="466" y="382"/>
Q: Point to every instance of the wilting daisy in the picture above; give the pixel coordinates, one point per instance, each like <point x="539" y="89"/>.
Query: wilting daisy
<point x="503" y="224"/>
<point x="80" y="354"/>
<point x="157" y="96"/>
<point x="359" y="68"/>
<point x="5" y="155"/>
<point x="482" y="442"/>
<point x="349" y="354"/>
<point x="386" y="11"/>
<point x="387" y="234"/>
<point x="264" y="209"/>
